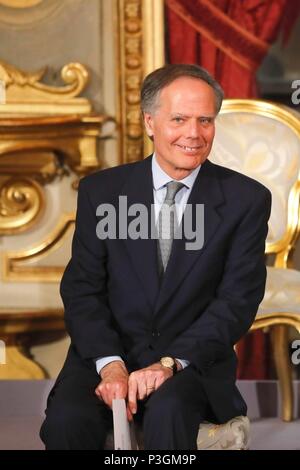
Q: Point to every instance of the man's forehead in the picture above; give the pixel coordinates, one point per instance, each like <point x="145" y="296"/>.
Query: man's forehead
<point x="185" y="89"/>
<point x="187" y="102"/>
<point x="192" y="115"/>
<point x="188" y="83"/>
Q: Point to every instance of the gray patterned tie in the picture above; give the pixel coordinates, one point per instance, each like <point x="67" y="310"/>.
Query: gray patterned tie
<point x="166" y="222"/>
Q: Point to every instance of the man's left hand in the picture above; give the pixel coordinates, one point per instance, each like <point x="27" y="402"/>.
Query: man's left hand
<point x="145" y="381"/>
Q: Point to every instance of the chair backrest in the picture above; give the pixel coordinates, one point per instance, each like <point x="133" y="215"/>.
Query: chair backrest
<point x="262" y="140"/>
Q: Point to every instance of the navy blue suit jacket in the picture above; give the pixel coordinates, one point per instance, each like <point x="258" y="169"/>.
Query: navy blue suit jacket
<point x="207" y="300"/>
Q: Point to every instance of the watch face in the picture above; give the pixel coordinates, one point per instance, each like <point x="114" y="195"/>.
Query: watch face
<point x="167" y="362"/>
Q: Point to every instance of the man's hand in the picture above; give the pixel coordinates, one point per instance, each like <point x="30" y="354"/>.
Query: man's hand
<point x="145" y="381"/>
<point x="114" y="384"/>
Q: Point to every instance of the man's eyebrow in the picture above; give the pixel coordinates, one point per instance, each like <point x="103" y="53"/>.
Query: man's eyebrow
<point x="179" y="115"/>
<point x="207" y="117"/>
<point x="188" y="116"/>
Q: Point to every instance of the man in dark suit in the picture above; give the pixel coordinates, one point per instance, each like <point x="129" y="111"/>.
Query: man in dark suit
<point x="154" y="316"/>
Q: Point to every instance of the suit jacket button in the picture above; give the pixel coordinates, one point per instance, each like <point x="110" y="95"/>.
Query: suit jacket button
<point x="155" y="333"/>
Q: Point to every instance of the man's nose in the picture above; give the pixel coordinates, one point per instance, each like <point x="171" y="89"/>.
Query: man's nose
<point x="193" y="130"/>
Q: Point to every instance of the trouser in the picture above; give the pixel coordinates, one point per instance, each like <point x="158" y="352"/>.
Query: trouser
<point x="77" y="419"/>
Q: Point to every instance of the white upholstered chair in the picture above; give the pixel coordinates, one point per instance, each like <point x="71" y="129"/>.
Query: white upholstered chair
<point x="262" y="140"/>
<point x="233" y="435"/>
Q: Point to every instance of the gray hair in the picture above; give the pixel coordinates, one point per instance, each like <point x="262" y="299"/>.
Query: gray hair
<point x="160" y="78"/>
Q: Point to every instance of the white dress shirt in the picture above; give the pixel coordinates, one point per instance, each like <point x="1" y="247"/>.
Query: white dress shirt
<point x="160" y="179"/>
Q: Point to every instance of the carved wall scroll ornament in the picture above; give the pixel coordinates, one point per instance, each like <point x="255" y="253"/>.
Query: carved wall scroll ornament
<point x="21" y="204"/>
<point x="25" y="91"/>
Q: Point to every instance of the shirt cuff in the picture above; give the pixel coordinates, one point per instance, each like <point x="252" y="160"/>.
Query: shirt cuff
<point x="183" y="363"/>
<point x="103" y="361"/>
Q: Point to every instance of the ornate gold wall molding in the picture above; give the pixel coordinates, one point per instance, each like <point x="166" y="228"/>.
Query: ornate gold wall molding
<point x="154" y="45"/>
<point x="34" y="151"/>
<point x="17" y="265"/>
<point x="141" y="49"/>
<point x="131" y="73"/>
<point x="44" y="132"/>
<point x="153" y="34"/>
<point x="21" y="204"/>
<point x="26" y="93"/>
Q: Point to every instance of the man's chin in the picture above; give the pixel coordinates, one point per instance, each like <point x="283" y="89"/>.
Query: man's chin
<point x="190" y="163"/>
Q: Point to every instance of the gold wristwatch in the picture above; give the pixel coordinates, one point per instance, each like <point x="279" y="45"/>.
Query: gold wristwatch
<point x="169" y="362"/>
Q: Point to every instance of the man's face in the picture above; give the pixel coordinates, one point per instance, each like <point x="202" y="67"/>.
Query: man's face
<point x="182" y="126"/>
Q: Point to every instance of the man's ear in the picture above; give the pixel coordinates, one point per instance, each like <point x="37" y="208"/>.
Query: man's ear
<point x="148" y="121"/>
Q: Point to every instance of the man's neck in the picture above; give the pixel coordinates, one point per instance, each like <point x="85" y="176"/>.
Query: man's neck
<point x="178" y="174"/>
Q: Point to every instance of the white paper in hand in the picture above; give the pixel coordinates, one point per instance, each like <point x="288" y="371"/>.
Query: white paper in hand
<point x="121" y="425"/>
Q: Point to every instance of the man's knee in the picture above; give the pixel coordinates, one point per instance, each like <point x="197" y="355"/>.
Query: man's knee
<point x="60" y="426"/>
<point x="69" y="427"/>
<point x="162" y="405"/>
<point x="169" y="422"/>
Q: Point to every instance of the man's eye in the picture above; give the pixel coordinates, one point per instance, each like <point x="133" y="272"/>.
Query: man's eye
<point x="178" y="119"/>
<point x="206" y="120"/>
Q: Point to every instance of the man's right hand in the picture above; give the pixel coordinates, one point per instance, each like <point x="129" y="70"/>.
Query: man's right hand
<point x="114" y="384"/>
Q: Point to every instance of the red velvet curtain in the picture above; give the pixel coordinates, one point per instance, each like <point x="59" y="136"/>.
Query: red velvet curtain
<point x="230" y="38"/>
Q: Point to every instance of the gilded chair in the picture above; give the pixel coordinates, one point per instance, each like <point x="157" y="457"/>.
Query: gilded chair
<point x="262" y="140"/>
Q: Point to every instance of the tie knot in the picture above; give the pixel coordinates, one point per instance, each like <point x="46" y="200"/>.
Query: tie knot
<point x="172" y="189"/>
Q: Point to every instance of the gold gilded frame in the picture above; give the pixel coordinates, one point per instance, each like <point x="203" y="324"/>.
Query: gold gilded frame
<point x="140" y="39"/>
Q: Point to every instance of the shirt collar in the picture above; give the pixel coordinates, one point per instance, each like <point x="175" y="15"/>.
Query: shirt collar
<point x="161" y="178"/>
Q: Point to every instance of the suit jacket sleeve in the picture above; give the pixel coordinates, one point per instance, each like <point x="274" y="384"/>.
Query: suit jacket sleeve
<point x="83" y="288"/>
<point x="232" y="311"/>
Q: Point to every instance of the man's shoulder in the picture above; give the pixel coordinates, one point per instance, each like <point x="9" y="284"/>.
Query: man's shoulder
<point x="115" y="172"/>
<point x="109" y="179"/>
<point x="233" y="180"/>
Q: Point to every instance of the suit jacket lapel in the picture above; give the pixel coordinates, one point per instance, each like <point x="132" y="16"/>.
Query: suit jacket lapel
<point x="207" y="191"/>
<point x="143" y="252"/>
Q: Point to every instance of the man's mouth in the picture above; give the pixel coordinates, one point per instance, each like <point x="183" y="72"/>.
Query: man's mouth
<point x="186" y="148"/>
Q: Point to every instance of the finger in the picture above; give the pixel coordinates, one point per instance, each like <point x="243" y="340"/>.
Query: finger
<point x="151" y="386"/>
<point x="142" y="390"/>
<point x="132" y="395"/>
<point x="107" y="393"/>
<point x="118" y="391"/>
<point x="150" y="389"/>
<point x="129" y="414"/>
<point x="159" y="381"/>
<point x="156" y="384"/>
<point x="99" y="395"/>
<point x="99" y="391"/>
